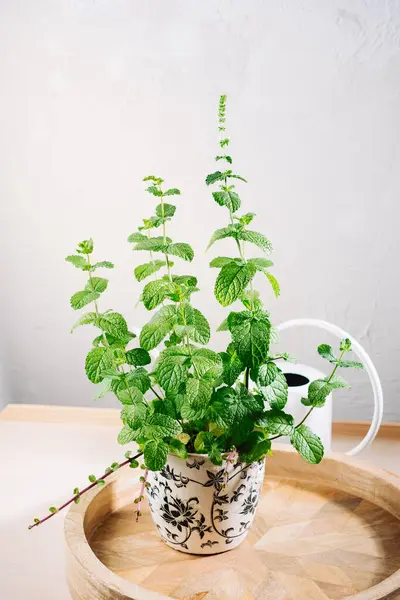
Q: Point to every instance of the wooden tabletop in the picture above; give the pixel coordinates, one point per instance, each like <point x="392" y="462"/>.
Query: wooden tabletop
<point x="46" y="452"/>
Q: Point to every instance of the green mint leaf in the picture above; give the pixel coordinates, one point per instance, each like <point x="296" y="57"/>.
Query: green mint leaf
<point x="207" y="363"/>
<point x="255" y="238"/>
<point x="152" y="189"/>
<point x="224" y="142"/>
<point x="188" y="280"/>
<point x="151" y="223"/>
<point x="229" y="199"/>
<point x="159" y="327"/>
<point x="223" y="326"/>
<point x="171" y="368"/>
<point x="155" y="292"/>
<point x="92" y="478"/>
<point x="78" y="261"/>
<point x="307" y="444"/>
<point x="113" y="341"/>
<point x="246" y="219"/>
<point x="85" y="247"/>
<point x="214" y="177"/>
<point x="274" y="284"/>
<point x="112" y="323"/>
<point x="225" y="157"/>
<point x="231" y="281"/>
<point x="154" y="178"/>
<point x="138" y="357"/>
<point x="232" y="366"/>
<point x="86" y="319"/>
<point x="127" y="435"/>
<point x="52" y="509"/>
<point x="137" y="237"/>
<point x="172" y="192"/>
<point x="139" y="378"/>
<point x="82" y="298"/>
<point x="155" y="244"/>
<point x="96" y="284"/>
<point x="345" y="345"/>
<point x="198" y="395"/>
<point x="276" y="422"/>
<point x="130" y="396"/>
<point x="320" y="389"/>
<point x="255" y="451"/>
<point x="181" y="250"/>
<point x="233" y="176"/>
<point x="221" y="261"/>
<point x="261" y="264"/>
<point x="276" y="393"/>
<point x="220" y="234"/>
<point x="134" y="415"/>
<point x="349" y="364"/>
<point x="178" y="448"/>
<point x="203" y="441"/>
<point x="267" y="374"/>
<point x="237" y="408"/>
<point x="147" y="269"/>
<point x="103" y="264"/>
<point x="97" y="360"/>
<point x="251" y="300"/>
<point x="214" y="454"/>
<point x="250" y="336"/>
<point x="155" y="454"/>
<point x="169" y="210"/>
<point x="326" y="352"/>
<point x="201" y="328"/>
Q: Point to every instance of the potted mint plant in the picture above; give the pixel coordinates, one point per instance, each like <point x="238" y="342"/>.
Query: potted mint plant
<point x="203" y="421"/>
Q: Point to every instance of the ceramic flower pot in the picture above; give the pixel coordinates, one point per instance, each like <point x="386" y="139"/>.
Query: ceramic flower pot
<point x="200" y="508"/>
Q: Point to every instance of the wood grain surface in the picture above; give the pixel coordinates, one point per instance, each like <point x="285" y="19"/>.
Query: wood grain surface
<point x="320" y="532"/>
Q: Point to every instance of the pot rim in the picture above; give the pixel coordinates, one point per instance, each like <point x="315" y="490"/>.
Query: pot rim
<point x="205" y="455"/>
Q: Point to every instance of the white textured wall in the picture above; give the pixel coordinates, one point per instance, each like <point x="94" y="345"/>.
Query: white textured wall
<point x="97" y="93"/>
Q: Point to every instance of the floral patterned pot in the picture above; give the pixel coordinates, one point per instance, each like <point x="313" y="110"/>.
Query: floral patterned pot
<point x="200" y="508"/>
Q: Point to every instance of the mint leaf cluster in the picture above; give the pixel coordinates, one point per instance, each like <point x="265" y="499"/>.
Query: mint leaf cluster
<point x="191" y="398"/>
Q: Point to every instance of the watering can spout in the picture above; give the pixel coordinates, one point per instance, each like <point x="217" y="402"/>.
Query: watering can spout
<point x="299" y="377"/>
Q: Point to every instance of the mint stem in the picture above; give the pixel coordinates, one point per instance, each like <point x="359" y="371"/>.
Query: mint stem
<point x="86" y="489"/>
<point x="312" y="408"/>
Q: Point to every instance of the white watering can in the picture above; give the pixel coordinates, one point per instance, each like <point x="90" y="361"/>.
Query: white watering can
<point x="300" y="376"/>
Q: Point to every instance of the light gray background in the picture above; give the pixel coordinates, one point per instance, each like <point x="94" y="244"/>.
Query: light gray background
<point x="95" y="94"/>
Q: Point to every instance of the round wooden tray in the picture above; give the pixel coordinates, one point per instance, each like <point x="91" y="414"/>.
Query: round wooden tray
<point x="320" y="532"/>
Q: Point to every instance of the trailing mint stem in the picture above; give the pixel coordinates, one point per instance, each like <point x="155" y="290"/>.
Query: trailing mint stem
<point x="312" y="407"/>
<point x="328" y="381"/>
<point x="232" y="456"/>
<point x="140" y="498"/>
<point x="38" y="522"/>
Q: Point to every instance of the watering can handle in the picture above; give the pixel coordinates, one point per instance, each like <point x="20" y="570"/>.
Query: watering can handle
<point x="369" y="366"/>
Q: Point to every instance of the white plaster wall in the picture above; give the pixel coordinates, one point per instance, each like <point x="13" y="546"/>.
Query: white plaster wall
<point x="95" y="94"/>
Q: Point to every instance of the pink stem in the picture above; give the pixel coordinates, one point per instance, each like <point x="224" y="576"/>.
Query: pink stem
<point x="89" y="487"/>
<point x="141" y="496"/>
<point x="230" y="460"/>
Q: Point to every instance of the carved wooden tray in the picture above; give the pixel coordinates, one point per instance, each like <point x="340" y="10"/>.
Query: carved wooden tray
<point x="321" y="532"/>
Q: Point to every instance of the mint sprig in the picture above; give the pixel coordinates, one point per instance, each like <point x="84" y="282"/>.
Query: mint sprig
<point x="230" y="405"/>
